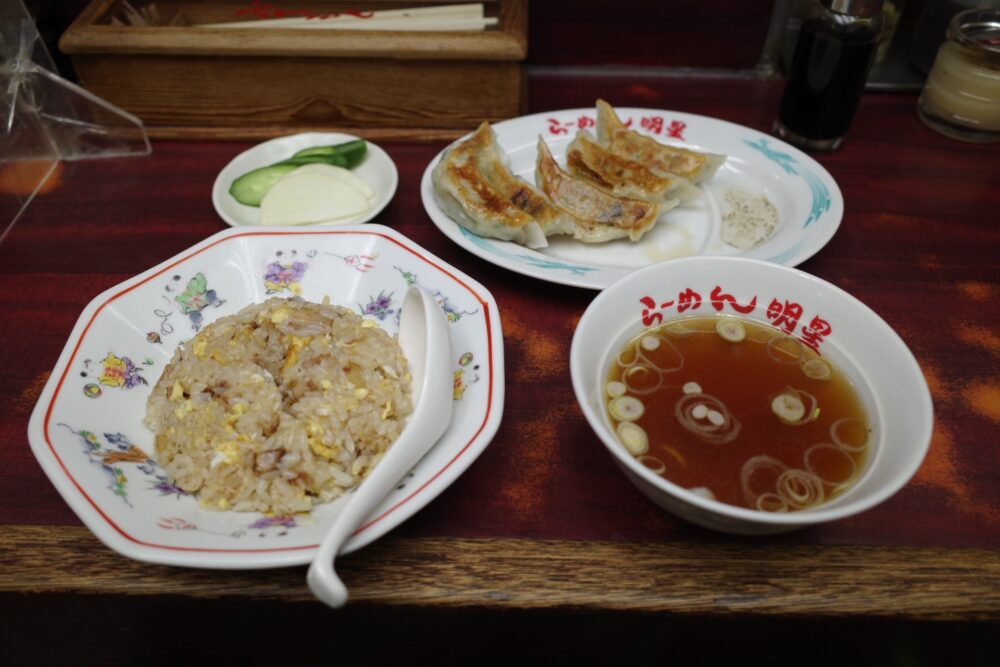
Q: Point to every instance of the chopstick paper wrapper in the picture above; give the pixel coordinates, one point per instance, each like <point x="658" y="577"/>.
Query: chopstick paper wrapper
<point x="442" y="17"/>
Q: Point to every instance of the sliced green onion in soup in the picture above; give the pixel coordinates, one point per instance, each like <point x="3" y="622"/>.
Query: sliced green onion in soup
<point x="633" y="437"/>
<point x="626" y="408"/>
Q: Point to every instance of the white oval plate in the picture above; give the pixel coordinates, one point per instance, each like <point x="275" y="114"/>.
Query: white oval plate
<point x="807" y="199"/>
<point x="86" y="429"/>
<point x="377" y="169"/>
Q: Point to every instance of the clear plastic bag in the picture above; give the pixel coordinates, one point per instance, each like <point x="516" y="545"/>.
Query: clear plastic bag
<point x="45" y="119"/>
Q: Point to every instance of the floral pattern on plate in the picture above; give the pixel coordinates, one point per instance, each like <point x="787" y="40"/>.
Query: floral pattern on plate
<point x="157" y="522"/>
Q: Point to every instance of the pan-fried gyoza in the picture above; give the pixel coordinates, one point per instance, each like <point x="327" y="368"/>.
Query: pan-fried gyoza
<point x="623" y="177"/>
<point x="660" y="158"/>
<point x="464" y="191"/>
<point x="598" y="215"/>
<point x="618" y="186"/>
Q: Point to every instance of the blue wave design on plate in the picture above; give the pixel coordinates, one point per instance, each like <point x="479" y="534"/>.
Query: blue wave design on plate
<point x="535" y="262"/>
<point x="821" y="199"/>
<point x="787" y="255"/>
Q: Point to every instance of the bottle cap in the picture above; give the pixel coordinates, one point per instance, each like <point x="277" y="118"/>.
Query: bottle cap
<point x="861" y="8"/>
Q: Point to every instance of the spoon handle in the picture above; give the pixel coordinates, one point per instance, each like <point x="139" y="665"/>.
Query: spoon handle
<point x="370" y="493"/>
<point x="425" y="339"/>
<point x="322" y="579"/>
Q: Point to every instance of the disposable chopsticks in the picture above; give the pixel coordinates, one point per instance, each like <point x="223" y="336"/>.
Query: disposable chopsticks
<point x="439" y="17"/>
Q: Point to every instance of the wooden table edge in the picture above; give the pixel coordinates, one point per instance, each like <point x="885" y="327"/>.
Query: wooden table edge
<point x="746" y="579"/>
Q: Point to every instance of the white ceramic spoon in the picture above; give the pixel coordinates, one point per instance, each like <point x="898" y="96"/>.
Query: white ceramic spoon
<point x="426" y="344"/>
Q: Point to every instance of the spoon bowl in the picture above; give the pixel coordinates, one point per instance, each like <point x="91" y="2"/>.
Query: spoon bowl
<point x="426" y="344"/>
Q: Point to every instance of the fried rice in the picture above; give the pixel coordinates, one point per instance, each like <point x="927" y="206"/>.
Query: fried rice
<point x="281" y="406"/>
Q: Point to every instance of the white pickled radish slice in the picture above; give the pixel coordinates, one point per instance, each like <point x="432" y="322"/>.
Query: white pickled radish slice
<point x="344" y="175"/>
<point x="310" y="198"/>
<point x="634" y="438"/>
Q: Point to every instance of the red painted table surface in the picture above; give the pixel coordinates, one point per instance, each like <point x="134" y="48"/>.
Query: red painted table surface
<point x="919" y="243"/>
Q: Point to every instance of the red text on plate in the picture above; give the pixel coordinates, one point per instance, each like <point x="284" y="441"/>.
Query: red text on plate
<point x="652" y="123"/>
<point x="783" y="314"/>
<point x="720" y="299"/>
<point x="815" y="332"/>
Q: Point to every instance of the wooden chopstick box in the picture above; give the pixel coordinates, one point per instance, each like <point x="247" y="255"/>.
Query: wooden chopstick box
<point x="185" y="79"/>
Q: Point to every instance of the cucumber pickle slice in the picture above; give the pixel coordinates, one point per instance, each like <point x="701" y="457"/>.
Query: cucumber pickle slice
<point x="250" y="188"/>
<point x="352" y="151"/>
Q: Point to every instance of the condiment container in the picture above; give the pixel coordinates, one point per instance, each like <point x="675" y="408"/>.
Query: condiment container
<point x="835" y="51"/>
<point x="933" y="24"/>
<point x="961" y="98"/>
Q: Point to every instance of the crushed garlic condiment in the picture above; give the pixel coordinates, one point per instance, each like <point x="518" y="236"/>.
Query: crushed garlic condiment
<point x="747" y="219"/>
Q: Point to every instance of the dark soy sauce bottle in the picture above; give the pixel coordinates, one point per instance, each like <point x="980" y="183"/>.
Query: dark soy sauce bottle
<point x="835" y="50"/>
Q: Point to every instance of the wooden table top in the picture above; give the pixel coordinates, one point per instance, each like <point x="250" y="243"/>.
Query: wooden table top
<point x="543" y="520"/>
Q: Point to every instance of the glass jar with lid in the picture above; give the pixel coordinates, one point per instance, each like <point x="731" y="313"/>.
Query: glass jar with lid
<point x="961" y="98"/>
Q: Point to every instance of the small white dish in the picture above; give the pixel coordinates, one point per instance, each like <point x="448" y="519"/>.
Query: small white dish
<point x="838" y="326"/>
<point x="377" y="169"/>
<point x="807" y="200"/>
<point x="86" y="429"/>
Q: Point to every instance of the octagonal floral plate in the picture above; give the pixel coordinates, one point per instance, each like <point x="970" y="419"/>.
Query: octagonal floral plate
<point x="86" y="429"/>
